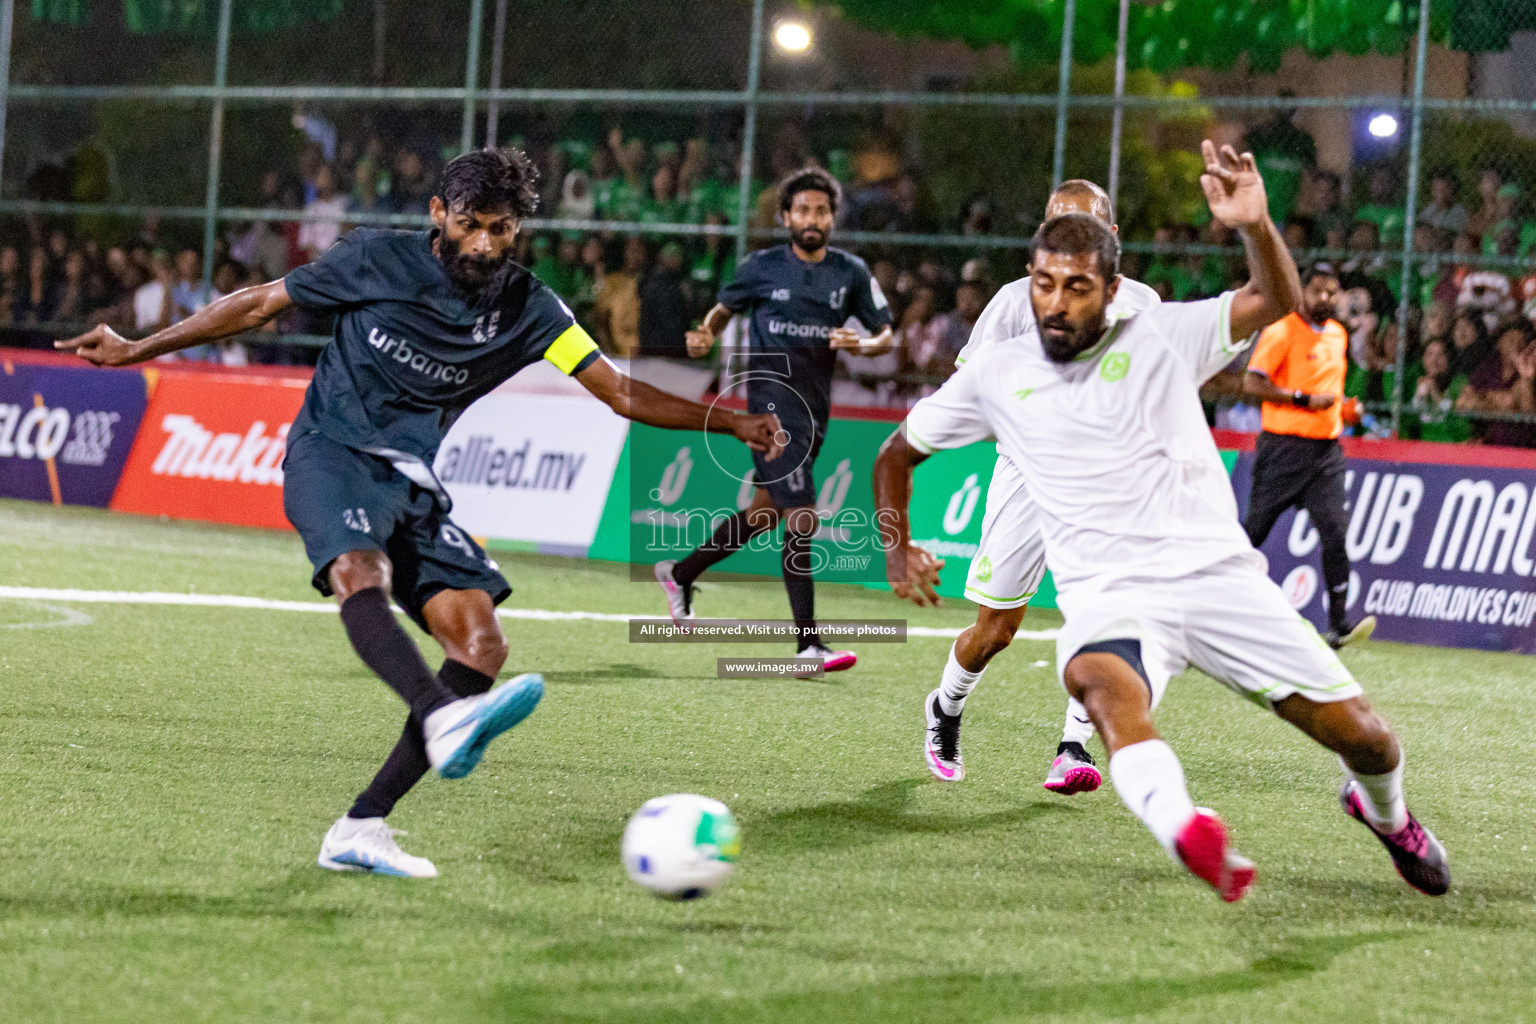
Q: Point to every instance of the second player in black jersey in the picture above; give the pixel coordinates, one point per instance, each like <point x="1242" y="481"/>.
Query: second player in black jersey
<point x="426" y="322"/>
<point x="802" y="300"/>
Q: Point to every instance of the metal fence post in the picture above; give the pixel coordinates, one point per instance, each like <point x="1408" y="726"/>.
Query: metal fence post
<point x="215" y="146"/>
<point x="1064" y="85"/>
<point x="749" y="130"/>
<point x="471" y="75"/>
<point x="1119" y="121"/>
<point x="7" y="10"/>
<point x="498" y="32"/>
<point x="1415" y="137"/>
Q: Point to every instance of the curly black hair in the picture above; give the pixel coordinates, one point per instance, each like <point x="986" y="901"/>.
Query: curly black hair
<point x="809" y="179"/>
<point x="491" y="179"/>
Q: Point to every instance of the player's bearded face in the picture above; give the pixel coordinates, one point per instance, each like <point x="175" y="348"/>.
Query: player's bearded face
<point x="1320" y="299"/>
<point x="474" y="247"/>
<point x="1069" y="304"/>
<point x="810" y="220"/>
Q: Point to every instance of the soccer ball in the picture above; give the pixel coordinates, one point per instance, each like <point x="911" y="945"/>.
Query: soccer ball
<point x="681" y="846"/>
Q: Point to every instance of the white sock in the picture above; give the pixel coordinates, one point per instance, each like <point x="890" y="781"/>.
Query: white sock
<point x="956" y="685"/>
<point x="1382" y="798"/>
<point x="1150" y="781"/>
<point x="1079" y="727"/>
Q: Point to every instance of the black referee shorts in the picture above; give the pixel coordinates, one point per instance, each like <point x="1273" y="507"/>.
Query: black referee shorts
<point x="1297" y="472"/>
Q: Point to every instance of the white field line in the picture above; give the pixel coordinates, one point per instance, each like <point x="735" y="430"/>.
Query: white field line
<point x="265" y="604"/>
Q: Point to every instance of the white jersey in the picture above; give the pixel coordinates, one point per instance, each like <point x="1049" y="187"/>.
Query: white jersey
<point x="1112" y="446"/>
<point x="1010" y="313"/>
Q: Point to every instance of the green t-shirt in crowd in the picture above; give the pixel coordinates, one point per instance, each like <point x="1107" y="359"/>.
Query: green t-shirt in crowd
<point x="1284" y="152"/>
<point x="1388" y="221"/>
<point x="710" y="271"/>
<point x="669" y="211"/>
<point x="1527" y="237"/>
<point x="619" y="200"/>
<point x="710" y="196"/>
<point x="1174" y="274"/>
<point x="1439" y="422"/>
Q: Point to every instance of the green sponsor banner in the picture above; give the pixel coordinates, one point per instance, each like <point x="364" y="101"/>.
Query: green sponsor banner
<point x="671" y="488"/>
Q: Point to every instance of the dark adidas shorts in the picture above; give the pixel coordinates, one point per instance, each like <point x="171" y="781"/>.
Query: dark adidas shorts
<point x="341" y="499"/>
<point x="788" y="479"/>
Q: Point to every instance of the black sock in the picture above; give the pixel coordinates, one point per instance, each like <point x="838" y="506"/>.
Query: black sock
<point x="407" y="763"/>
<point x="797" y="581"/>
<point x="1337" y="597"/>
<point x="386" y="648"/>
<point x="729" y="537"/>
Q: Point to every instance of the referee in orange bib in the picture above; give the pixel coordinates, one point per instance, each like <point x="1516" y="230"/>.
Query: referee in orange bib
<point x="1297" y="370"/>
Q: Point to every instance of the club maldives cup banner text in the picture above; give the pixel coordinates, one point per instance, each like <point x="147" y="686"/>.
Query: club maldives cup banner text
<point x="1441" y="554"/>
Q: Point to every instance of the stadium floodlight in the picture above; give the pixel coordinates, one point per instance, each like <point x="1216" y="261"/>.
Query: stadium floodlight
<point x="1383" y="126"/>
<point x="792" y="36"/>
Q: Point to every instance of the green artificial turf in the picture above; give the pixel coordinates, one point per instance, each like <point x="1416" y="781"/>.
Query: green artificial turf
<point x="166" y="774"/>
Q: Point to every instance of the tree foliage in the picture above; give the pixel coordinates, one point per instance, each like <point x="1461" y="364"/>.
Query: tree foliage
<point x="1199" y="33"/>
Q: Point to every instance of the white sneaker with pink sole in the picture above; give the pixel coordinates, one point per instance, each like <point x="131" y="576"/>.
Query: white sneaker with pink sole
<point x="830" y="661"/>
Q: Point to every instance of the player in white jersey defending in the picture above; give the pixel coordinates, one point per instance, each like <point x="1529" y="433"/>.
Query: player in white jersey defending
<point x="1010" y="561"/>
<point x="1154" y="571"/>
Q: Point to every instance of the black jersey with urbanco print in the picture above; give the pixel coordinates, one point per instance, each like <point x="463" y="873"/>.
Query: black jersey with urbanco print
<point x="411" y="351"/>
<point x="794" y="306"/>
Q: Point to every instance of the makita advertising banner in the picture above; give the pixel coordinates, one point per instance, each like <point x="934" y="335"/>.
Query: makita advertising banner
<point x="65" y="432"/>
<point x="1441" y="554"/>
<point x="211" y="448"/>
<point x="534" y="469"/>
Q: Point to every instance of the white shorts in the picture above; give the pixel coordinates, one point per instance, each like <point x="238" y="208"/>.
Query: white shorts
<point x="1010" y="562"/>
<point x="1230" y="621"/>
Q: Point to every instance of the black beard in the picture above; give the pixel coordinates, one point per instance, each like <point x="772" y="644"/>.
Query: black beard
<point x="469" y="274"/>
<point x="803" y="240"/>
<point x="1319" y="315"/>
<point x="1076" y="342"/>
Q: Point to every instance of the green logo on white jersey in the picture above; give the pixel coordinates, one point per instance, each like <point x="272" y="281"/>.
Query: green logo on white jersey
<point x="1115" y="366"/>
<point x="984" y="569"/>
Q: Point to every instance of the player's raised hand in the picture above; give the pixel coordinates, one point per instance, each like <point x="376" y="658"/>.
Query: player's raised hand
<point x="102" y="346"/>
<point x="699" y="341"/>
<point x="1233" y="186"/>
<point x="920" y="578"/>
<point x="761" y="432"/>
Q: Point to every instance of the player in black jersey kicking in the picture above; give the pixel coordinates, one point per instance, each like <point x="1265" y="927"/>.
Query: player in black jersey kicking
<point x="426" y="322"/>
<point x="800" y="297"/>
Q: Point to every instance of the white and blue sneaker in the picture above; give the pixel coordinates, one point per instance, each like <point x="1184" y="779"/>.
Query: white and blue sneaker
<point x="457" y="734"/>
<point x="367" y="844"/>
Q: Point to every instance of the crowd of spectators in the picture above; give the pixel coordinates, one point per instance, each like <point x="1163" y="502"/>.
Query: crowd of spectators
<point x="1470" y="336"/>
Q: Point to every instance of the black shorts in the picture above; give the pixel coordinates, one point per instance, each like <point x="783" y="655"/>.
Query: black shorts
<point x="788" y="479"/>
<point x="1301" y="472"/>
<point x="341" y="499"/>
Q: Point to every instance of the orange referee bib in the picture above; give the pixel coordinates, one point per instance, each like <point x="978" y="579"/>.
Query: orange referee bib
<point x="1296" y="356"/>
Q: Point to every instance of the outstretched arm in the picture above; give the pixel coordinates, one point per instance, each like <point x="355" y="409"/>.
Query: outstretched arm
<point x="638" y="401"/>
<point x="912" y="572"/>
<point x="1235" y="192"/>
<point x="236" y="313"/>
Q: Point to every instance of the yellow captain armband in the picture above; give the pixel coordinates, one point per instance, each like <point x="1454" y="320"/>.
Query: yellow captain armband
<point x="568" y="350"/>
